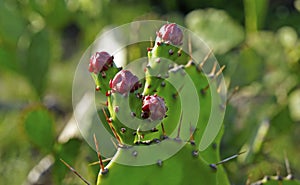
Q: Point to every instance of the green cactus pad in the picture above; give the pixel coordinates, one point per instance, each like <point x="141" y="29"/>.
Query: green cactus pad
<point x="181" y="168"/>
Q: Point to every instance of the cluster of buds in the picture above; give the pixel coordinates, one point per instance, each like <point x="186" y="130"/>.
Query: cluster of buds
<point x="115" y="81"/>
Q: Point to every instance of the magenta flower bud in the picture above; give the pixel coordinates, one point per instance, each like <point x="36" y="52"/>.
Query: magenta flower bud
<point x="154" y="107"/>
<point x="170" y="33"/>
<point x="99" y="62"/>
<point x="124" y="82"/>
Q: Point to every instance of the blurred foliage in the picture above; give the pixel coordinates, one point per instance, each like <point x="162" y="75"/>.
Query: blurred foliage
<point x="41" y="43"/>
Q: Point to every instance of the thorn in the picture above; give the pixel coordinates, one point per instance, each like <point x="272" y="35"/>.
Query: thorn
<point x="179" y="127"/>
<point x="75" y="172"/>
<point x="97" y="162"/>
<point x="235" y="90"/>
<point x="220" y="71"/>
<point x="163" y="130"/>
<point x="113" y="142"/>
<point x="151" y="42"/>
<point x="287" y="164"/>
<point x="214" y="166"/>
<point x="190" y="47"/>
<point x="179" y="53"/>
<point x="111" y="127"/>
<point x="192" y="139"/>
<point x="212" y="73"/>
<point x="171" y="52"/>
<point x="176" y="94"/>
<point x="219" y="88"/>
<point x="204" y="60"/>
<point x="190" y="62"/>
<point x="103" y="170"/>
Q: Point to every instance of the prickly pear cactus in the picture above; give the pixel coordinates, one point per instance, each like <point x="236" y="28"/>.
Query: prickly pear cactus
<point x="156" y="119"/>
<point x="277" y="180"/>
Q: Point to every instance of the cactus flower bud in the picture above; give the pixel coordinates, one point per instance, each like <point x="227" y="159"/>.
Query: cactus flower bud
<point x="170" y="33"/>
<point x="154" y="107"/>
<point x="99" y="62"/>
<point x="124" y="82"/>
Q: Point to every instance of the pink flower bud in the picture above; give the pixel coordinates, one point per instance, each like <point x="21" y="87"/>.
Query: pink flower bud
<point x="170" y="33"/>
<point x="99" y="62"/>
<point x="154" y="107"/>
<point x="124" y="82"/>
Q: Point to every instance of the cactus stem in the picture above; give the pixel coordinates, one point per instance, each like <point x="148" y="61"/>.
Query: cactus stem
<point x="103" y="170"/>
<point x="112" y="128"/>
<point x="75" y="172"/>
<point x="200" y="66"/>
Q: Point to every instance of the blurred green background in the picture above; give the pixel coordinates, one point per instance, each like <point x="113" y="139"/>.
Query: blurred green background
<point x="41" y="42"/>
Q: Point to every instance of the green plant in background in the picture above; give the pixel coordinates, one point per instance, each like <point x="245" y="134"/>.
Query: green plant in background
<point x="40" y="129"/>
